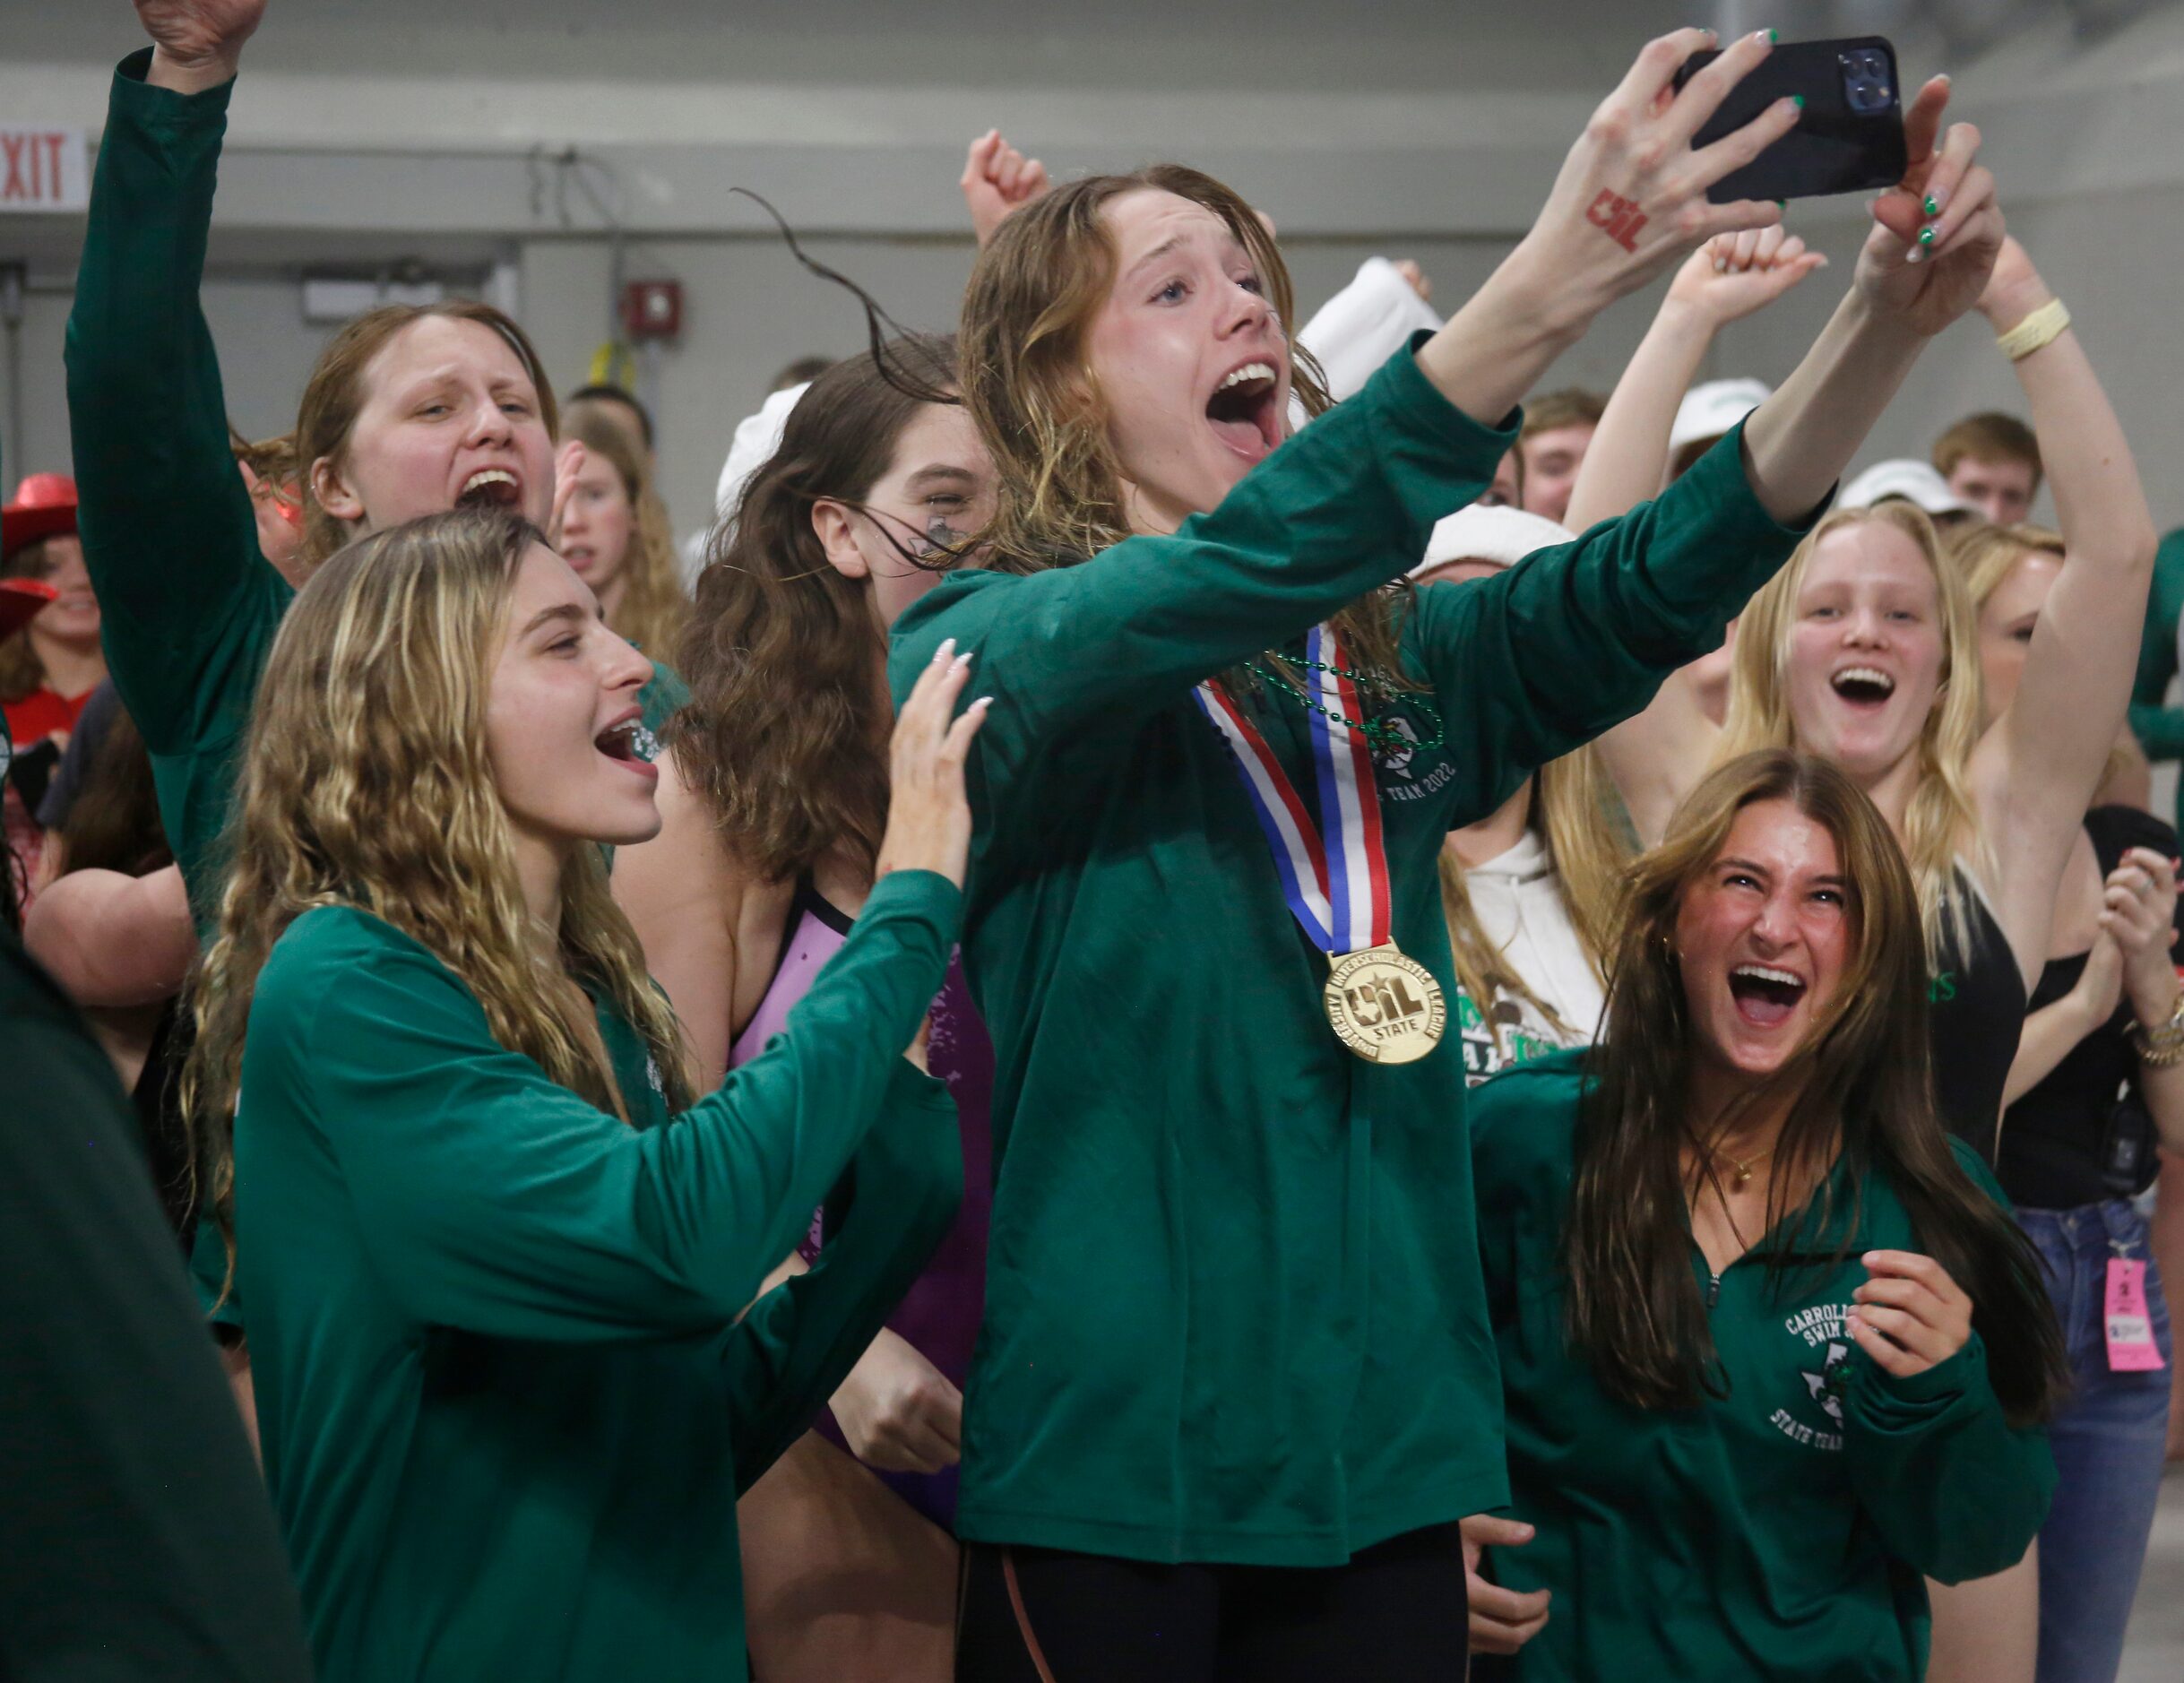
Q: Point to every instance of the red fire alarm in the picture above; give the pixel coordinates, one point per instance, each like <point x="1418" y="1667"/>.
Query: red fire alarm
<point x="653" y="309"/>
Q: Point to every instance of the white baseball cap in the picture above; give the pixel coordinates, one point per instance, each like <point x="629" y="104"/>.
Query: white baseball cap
<point x="1908" y="478"/>
<point x="1503" y="535"/>
<point x="757" y="437"/>
<point x="1712" y="409"/>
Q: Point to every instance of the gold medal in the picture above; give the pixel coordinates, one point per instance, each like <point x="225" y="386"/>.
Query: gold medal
<point x="1387" y="1008"/>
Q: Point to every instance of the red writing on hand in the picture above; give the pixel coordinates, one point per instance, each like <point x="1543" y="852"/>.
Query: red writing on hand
<point x="1619" y="217"/>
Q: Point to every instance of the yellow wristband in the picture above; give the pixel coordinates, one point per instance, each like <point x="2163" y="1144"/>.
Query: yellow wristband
<point x="2043" y="327"/>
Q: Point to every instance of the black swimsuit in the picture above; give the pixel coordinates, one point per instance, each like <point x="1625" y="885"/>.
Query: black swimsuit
<point x="1977" y="1000"/>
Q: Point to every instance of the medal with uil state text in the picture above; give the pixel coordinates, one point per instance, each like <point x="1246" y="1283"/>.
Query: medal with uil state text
<point x="1384" y="1007"/>
<point x="1387" y="1008"/>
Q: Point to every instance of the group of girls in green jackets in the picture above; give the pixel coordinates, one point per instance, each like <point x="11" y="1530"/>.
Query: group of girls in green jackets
<point x="1731" y="1328"/>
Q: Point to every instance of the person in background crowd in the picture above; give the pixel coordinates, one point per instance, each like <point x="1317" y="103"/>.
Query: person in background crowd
<point x="49" y="668"/>
<point x="408" y="411"/>
<point x="1770" y="1342"/>
<point x="998" y="180"/>
<point x="773" y="787"/>
<point x="269" y="472"/>
<point x="510" y="1370"/>
<point x="2159" y="729"/>
<point x="1708" y="412"/>
<point x="802" y="372"/>
<point x="2159" y="726"/>
<point x="115" y="941"/>
<point x="1529" y="890"/>
<point x="21" y="602"/>
<point x="1507" y="488"/>
<point x="1558" y="427"/>
<point x="1992" y="462"/>
<point x="1854" y="650"/>
<point x="112" y="825"/>
<point x="614" y="532"/>
<point x="2097" y="1086"/>
<point x="1909" y="480"/>
<point x="619" y="407"/>
<point x="138" y="1542"/>
<point x="1138" y="1500"/>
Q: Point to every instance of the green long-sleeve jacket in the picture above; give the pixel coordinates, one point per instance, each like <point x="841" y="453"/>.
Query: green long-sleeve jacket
<point x="506" y="1402"/>
<point x="1233" y="1309"/>
<point x="136" y="1542"/>
<point x="188" y="603"/>
<point x="2159" y="727"/>
<point x="1779" y="1531"/>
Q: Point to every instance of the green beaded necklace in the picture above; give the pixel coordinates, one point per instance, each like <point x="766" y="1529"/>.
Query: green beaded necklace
<point x="1377" y="732"/>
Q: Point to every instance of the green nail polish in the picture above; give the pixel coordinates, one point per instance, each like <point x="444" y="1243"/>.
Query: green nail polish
<point x="1773" y="36"/>
<point x="1925" y="237"/>
<point x="1933" y="205"/>
<point x="1798" y="100"/>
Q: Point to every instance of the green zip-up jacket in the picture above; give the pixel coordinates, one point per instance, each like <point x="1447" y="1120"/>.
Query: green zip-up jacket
<point x="505" y="1400"/>
<point x="136" y="1542"/>
<point x="1779" y="1531"/>
<point x="1233" y="1309"/>
<point x="2158" y="726"/>
<point x="189" y="604"/>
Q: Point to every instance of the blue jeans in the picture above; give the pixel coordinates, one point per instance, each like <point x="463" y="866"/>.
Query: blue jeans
<point x="2108" y="1442"/>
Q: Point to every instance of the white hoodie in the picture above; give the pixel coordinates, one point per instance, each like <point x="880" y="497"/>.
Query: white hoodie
<point x="1518" y="899"/>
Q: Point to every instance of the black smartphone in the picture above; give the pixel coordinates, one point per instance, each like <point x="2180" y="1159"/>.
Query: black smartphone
<point x="1850" y="139"/>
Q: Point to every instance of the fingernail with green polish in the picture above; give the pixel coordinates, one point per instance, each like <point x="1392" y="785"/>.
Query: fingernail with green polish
<point x="1773" y="36"/>
<point x="1798" y="100"/>
<point x="1933" y="205"/>
<point x="1925" y="237"/>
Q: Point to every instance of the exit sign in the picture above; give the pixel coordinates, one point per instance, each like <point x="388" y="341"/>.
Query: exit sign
<point x="43" y="168"/>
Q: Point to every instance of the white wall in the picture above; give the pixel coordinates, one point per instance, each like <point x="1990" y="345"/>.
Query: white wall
<point x="266" y="353"/>
<point x="363" y="135"/>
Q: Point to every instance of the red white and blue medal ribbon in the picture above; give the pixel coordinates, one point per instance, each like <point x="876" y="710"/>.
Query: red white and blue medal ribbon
<point x="1335" y="874"/>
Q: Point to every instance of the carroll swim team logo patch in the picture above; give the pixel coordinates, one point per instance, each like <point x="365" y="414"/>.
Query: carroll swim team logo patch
<point x="1822" y="1376"/>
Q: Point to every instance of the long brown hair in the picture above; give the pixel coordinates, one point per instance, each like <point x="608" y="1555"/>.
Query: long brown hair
<point x="365" y="783"/>
<point x="1026" y="380"/>
<point x="653" y="607"/>
<point x="113" y="824"/>
<point x="334" y="395"/>
<point x="785" y="733"/>
<point x="1861" y="1092"/>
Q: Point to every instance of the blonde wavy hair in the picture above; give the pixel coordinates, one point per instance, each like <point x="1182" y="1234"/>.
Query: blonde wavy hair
<point x="1941" y="824"/>
<point x="1575" y="815"/>
<point x="653" y="607"/>
<point x="365" y="783"/>
<point x="1985" y="555"/>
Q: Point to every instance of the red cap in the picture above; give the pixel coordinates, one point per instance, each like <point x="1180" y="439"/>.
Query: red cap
<point x="19" y="600"/>
<point x="45" y="503"/>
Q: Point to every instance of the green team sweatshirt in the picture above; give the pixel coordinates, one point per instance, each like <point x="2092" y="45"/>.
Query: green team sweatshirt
<point x="1233" y="1309"/>
<point x="505" y="1400"/>
<point x="1781" y="1531"/>
<point x="189" y="604"/>
<point x="136" y="1541"/>
<point x="2159" y="727"/>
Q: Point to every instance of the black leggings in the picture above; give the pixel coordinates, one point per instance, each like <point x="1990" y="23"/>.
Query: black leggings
<point x="1396" y="1610"/>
